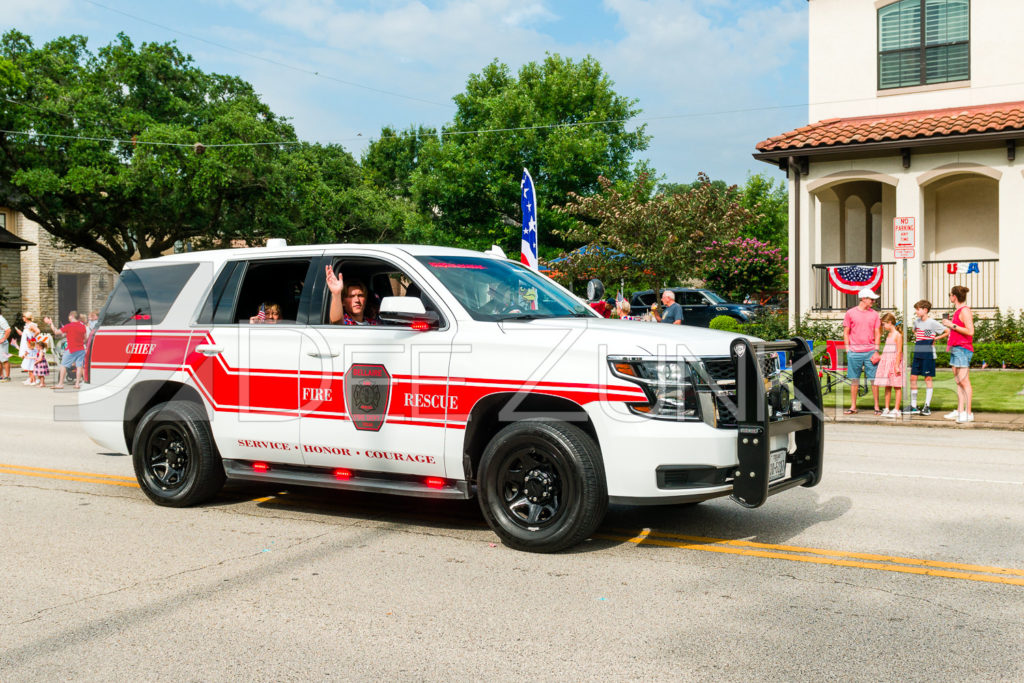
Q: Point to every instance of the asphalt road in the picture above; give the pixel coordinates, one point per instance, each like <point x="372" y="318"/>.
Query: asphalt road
<point x="906" y="563"/>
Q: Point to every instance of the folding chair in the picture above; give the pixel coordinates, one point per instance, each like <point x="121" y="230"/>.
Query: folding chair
<point x="834" y="374"/>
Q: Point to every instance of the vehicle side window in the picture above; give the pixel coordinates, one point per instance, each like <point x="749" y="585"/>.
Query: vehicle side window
<point x="693" y="299"/>
<point x="217" y="293"/>
<point x="379" y="279"/>
<point x="143" y="296"/>
<point x="273" y="285"/>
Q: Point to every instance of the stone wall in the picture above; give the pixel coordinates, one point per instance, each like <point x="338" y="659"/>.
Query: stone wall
<point x="47" y="268"/>
<point x="10" y="280"/>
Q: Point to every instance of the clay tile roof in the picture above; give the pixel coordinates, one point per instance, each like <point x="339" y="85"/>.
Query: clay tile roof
<point x="903" y="126"/>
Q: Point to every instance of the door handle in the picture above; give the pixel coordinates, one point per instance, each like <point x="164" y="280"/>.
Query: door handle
<point x="209" y="349"/>
<point x="323" y="354"/>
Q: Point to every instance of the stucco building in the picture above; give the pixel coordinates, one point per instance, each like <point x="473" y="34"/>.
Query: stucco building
<point x="38" y="276"/>
<point x="917" y="111"/>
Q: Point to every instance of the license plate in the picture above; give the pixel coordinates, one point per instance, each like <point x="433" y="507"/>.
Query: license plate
<point x="776" y="465"/>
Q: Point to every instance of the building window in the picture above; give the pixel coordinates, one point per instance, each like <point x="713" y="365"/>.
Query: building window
<point x="922" y="42"/>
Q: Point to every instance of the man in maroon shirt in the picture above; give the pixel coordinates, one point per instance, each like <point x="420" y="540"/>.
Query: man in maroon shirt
<point x="75" y="331"/>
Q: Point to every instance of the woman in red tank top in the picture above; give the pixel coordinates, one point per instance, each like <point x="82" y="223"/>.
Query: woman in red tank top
<point x="961" y="349"/>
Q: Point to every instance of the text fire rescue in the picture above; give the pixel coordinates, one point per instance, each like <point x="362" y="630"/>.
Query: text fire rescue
<point x="437" y="401"/>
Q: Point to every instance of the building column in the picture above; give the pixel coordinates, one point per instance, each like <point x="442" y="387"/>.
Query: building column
<point x="908" y="204"/>
<point x="1009" y="292"/>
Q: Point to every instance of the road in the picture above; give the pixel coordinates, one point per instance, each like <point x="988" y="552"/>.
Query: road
<point x="907" y="563"/>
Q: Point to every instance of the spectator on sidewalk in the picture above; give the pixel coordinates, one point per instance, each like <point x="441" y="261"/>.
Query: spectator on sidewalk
<point x="861" y="333"/>
<point x="29" y="331"/>
<point x="75" y="331"/>
<point x="673" y="312"/>
<point x="5" y="349"/>
<point x="889" y="373"/>
<point x="961" y="349"/>
<point x="926" y="332"/>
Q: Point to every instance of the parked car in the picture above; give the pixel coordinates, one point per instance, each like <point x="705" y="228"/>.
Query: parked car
<point x="700" y="306"/>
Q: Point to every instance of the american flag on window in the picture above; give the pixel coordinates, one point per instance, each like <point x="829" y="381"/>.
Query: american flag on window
<point x="851" y="279"/>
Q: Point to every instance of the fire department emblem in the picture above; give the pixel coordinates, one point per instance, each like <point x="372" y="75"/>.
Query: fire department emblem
<point x="367" y="390"/>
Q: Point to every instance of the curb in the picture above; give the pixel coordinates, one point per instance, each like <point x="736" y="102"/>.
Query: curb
<point x="929" y="424"/>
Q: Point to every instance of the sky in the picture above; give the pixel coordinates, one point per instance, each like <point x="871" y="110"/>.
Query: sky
<point x="713" y="77"/>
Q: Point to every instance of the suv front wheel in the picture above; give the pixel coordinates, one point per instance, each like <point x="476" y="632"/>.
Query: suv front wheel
<point x="175" y="460"/>
<point x="542" y="486"/>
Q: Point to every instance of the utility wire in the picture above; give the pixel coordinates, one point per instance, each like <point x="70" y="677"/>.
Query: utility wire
<point x="309" y="72"/>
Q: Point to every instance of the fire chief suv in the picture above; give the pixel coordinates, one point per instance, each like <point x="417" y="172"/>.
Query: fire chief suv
<point x="463" y="375"/>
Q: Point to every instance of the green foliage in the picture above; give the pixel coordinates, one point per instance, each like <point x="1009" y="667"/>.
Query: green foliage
<point x="125" y="198"/>
<point x="727" y="323"/>
<point x="389" y="161"/>
<point x="1006" y="328"/>
<point x="742" y="266"/>
<point x="665" y="234"/>
<point x="761" y="196"/>
<point x="469" y="182"/>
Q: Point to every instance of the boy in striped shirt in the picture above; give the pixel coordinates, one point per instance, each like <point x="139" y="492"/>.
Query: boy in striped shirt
<point x="926" y="333"/>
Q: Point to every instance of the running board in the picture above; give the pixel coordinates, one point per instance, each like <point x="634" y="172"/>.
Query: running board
<point x="400" y="485"/>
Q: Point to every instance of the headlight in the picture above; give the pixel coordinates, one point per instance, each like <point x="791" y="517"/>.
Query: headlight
<point x="745" y="313"/>
<point x="668" y="383"/>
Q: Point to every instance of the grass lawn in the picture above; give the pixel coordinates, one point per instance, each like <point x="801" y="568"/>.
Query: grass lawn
<point x="995" y="391"/>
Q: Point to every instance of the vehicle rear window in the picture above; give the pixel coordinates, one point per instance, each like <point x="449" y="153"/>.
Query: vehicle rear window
<point x="143" y="296"/>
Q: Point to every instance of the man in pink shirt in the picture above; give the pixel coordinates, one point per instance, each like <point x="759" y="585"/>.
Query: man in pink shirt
<point x="75" y="331"/>
<point x="862" y="331"/>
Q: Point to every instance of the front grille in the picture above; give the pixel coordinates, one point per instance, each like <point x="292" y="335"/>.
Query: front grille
<point x="721" y="378"/>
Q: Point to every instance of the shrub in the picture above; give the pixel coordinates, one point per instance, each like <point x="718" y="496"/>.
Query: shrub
<point x="992" y="353"/>
<point x="726" y="323"/>
<point x="1006" y="329"/>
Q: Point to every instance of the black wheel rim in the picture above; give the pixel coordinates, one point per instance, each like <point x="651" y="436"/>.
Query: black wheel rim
<point x="533" y="486"/>
<point x="168" y="458"/>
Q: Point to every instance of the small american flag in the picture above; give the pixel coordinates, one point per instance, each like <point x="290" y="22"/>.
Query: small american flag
<point x="262" y="315"/>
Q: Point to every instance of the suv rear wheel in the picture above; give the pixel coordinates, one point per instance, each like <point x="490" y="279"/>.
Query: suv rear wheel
<point x="175" y="460"/>
<point x="542" y="486"/>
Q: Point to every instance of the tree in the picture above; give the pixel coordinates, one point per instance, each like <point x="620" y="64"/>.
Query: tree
<point x="762" y="196"/>
<point x="743" y="266"/>
<point x="112" y="163"/>
<point x="665" y="233"/>
<point x="390" y="160"/>
<point x="560" y="118"/>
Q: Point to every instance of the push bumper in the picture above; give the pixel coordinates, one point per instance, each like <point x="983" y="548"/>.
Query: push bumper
<point x="758" y="420"/>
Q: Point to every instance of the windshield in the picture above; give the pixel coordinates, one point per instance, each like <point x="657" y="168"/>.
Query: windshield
<point x="715" y="299"/>
<point x="490" y="289"/>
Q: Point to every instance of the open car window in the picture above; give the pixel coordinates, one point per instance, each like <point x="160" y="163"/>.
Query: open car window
<point x="379" y="279"/>
<point x="273" y="285"/>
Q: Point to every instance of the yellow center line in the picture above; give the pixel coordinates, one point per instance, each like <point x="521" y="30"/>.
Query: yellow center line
<point x="44" y="469"/>
<point x="726" y="546"/>
<point x="700" y="540"/>
<point x="904" y="565"/>
<point x="87" y="479"/>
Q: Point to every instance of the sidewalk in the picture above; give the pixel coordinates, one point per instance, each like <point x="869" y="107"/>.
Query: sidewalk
<point x="1013" y="422"/>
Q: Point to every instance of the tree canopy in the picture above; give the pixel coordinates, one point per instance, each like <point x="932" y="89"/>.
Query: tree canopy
<point x="667" y="234"/>
<point x="559" y="118"/>
<point x="111" y="162"/>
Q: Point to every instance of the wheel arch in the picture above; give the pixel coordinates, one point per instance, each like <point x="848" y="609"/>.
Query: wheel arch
<point x="495" y="411"/>
<point x="145" y="395"/>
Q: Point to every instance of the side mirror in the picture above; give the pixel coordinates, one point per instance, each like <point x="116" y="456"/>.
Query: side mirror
<point x="407" y="310"/>
<point x="595" y="290"/>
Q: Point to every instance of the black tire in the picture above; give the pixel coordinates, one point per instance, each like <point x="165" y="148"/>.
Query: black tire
<point x="176" y="462"/>
<point x="542" y="486"/>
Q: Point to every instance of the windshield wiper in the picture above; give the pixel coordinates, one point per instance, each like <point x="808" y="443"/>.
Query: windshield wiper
<point x="522" y="316"/>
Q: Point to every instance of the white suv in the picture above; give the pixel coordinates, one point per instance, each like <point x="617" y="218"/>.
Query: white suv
<point x="480" y="377"/>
